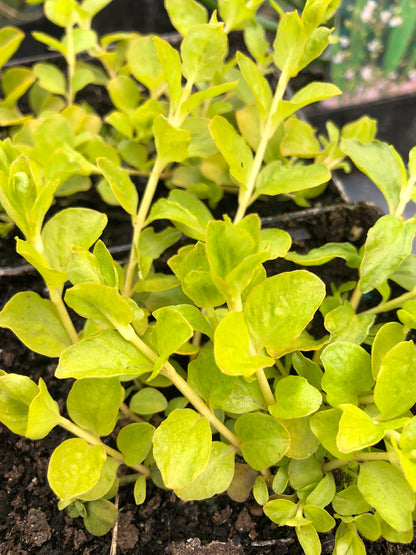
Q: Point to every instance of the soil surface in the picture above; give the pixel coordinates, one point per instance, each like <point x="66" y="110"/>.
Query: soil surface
<point x="30" y="521"/>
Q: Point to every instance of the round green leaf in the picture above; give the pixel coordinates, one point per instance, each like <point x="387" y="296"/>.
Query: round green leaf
<point x="43" y="414"/>
<point x="347" y="372"/>
<point x="395" y="390"/>
<point x="148" y="401"/>
<point x="135" y="442"/>
<point x="101" y="516"/>
<point x="279" y="308"/>
<point x="357" y="430"/>
<point x="384" y="487"/>
<point x="93" y="404"/>
<point x="36" y="323"/>
<point x="102" y="356"/>
<point x="260" y="490"/>
<point x="280" y="510"/>
<point x="75" y="467"/>
<point x="216" y="476"/>
<point x="16" y="394"/>
<point x="264" y="440"/>
<point x="140" y="490"/>
<point x="182" y="447"/>
<point x="321" y="519"/>
<point x="295" y="398"/>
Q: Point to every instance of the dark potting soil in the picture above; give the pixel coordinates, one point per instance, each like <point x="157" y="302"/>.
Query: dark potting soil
<point x="30" y="521"/>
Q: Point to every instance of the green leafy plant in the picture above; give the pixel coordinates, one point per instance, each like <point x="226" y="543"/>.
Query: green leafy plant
<point x="318" y="428"/>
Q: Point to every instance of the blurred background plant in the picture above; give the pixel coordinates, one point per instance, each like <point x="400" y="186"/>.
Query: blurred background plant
<point x="376" y="52"/>
<point x="17" y="12"/>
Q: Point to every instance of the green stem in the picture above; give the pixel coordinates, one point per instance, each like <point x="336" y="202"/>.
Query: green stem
<point x="366" y="400"/>
<point x="128" y="478"/>
<point x="71" y="61"/>
<point x="125" y="411"/>
<point x="281" y="368"/>
<point x="356" y="457"/>
<point x="182" y="385"/>
<point x="393" y="304"/>
<point x="177" y="118"/>
<point x="267" y="133"/>
<point x="56" y="298"/>
<point x="92" y="440"/>
<point x="355" y="298"/>
<point x="139" y="221"/>
<point x="265" y="387"/>
<point x="405" y="196"/>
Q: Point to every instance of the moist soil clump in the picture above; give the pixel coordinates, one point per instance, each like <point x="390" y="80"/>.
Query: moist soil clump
<point x="30" y="521"/>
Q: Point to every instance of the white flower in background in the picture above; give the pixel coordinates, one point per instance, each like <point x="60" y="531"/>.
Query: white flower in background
<point x="385" y="16"/>
<point x="349" y="74"/>
<point x="366" y="73"/>
<point x="344" y="42"/>
<point x="375" y="46"/>
<point x="338" y="58"/>
<point x="367" y="13"/>
<point x="395" y="21"/>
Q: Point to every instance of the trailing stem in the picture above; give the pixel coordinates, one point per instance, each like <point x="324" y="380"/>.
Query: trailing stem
<point x="357" y="457"/>
<point x="138" y="223"/>
<point x="182" y="385"/>
<point x="56" y="298"/>
<point x="267" y="133"/>
<point x="92" y="440"/>
<point x="393" y="304"/>
<point x="71" y="60"/>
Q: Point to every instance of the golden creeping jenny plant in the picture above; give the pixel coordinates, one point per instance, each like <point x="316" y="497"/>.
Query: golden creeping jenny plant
<point x="330" y="437"/>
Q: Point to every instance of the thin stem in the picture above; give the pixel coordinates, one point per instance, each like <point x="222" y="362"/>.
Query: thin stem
<point x="128" y="478"/>
<point x="356" y="457"/>
<point x="178" y="117"/>
<point x="393" y="304"/>
<point x="125" y="411"/>
<point x="265" y="387"/>
<point x="281" y="368"/>
<point x="366" y="400"/>
<point x="355" y="298"/>
<point x="405" y="196"/>
<point x="269" y="129"/>
<point x="92" y="440"/>
<point x="56" y="298"/>
<point x="138" y="223"/>
<point x="182" y="385"/>
<point x="71" y="60"/>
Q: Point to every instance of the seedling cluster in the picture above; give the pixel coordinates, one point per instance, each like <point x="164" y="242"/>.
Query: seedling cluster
<point x="318" y="429"/>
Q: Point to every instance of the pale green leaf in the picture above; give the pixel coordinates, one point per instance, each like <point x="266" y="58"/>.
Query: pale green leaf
<point x="264" y="440"/>
<point x="121" y="185"/>
<point x="184" y="14"/>
<point x="347" y="373"/>
<point x="233" y="147"/>
<point x="135" y="442"/>
<point x="182" y="447"/>
<point x="389" y="243"/>
<point x="295" y="398"/>
<point x="75" y="467"/>
<point x="377" y="161"/>
<point x="279" y="308"/>
<point x="94" y="403"/>
<point x="36" y="323"/>
<point x="395" y="389"/>
<point x="385" y="488"/>
<point x="102" y="356"/>
<point x="216" y="476"/>
<point x="43" y="414"/>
